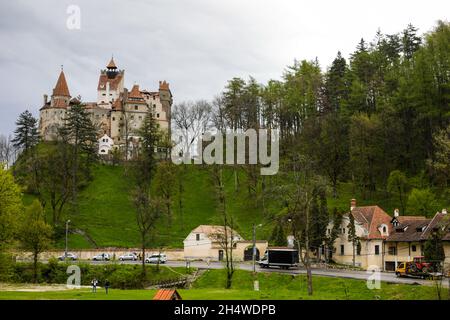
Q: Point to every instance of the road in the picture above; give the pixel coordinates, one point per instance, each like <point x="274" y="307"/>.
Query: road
<point x="349" y="274"/>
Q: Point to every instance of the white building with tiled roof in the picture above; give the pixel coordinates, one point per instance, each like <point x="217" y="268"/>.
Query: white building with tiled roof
<point x="117" y="113"/>
<point x="207" y="242"/>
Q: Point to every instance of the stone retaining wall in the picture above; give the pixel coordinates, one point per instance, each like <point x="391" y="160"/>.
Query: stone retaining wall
<point x="87" y="254"/>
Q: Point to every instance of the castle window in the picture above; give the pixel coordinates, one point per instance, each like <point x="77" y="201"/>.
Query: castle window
<point x="135" y="107"/>
<point x="154" y="106"/>
<point x="377" y="250"/>
<point x="104" y="94"/>
<point x="140" y="117"/>
<point x="154" y="97"/>
<point x="157" y="115"/>
<point x="114" y="119"/>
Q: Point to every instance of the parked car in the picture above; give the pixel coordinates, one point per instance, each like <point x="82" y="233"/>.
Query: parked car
<point x="156" y="258"/>
<point x="101" y="257"/>
<point x="68" y="256"/>
<point x="128" y="256"/>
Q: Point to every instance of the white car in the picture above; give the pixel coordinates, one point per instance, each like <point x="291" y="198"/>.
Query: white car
<point x="128" y="256"/>
<point x="156" y="258"/>
<point x="68" y="256"/>
<point x="101" y="257"/>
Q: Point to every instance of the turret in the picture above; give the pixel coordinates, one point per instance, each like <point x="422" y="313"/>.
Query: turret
<point x="165" y="97"/>
<point x="61" y="94"/>
<point x="111" y="69"/>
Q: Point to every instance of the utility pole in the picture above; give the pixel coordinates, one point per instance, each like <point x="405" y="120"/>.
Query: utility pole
<point x="67" y="232"/>
<point x="254" y="248"/>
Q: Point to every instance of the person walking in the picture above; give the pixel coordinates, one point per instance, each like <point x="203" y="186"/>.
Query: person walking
<point x="106" y="286"/>
<point x="94" y="283"/>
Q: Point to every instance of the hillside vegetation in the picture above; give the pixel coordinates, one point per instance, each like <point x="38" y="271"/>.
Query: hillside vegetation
<point x="106" y="214"/>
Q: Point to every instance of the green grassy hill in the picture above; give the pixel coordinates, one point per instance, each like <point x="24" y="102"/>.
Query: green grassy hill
<point x="105" y="212"/>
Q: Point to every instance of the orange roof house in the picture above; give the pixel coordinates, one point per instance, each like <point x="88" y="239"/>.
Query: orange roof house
<point x="167" y="294"/>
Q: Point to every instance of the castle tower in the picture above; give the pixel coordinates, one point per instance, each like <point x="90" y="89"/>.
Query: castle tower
<point x="165" y="97"/>
<point x="61" y="95"/>
<point x="53" y="112"/>
<point x="110" y="85"/>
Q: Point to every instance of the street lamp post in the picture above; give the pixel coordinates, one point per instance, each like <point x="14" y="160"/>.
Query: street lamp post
<point x="67" y="232"/>
<point x="254" y="246"/>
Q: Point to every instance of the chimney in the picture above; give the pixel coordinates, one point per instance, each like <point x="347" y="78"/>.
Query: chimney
<point x="45" y="99"/>
<point x="396" y="213"/>
<point x="444" y="211"/>
<point x="352" y="204"/>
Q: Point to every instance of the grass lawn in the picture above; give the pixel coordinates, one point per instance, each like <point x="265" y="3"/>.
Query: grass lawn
<point x="272" y="286"/>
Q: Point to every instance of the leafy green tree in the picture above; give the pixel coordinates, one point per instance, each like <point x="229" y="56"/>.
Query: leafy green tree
<point x="365" y="151"/>
<point x="440" y="163"/>
<point x="34" y="233"/>
<point x="333" y="148"/>
<point x="165" y="183"/>
<point x="148" y="208"/>
<point x="434" y="248"/>
<point x="10" y="207"/>
<point x="422" y="202"/>
<point x="278" y="237"/>
<point x="398" y="182"/>
<point x="319" y="220"/>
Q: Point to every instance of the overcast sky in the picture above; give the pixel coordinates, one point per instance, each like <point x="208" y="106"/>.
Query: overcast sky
<point x="196" y="45"/>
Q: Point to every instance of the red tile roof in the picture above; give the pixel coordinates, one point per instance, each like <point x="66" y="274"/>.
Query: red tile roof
<point x="135" y="93"/>
<point x="167" y="294"/>
<point x="61" y="88"/>
<point x="372" y="217"/>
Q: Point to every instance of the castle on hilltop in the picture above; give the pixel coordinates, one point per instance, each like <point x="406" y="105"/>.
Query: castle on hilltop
<point x="118" y="113"/>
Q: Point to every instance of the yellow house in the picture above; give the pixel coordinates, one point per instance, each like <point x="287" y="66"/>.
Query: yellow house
<point x="409" y="235"/>
<point x="207" y="242"/>
<point x="372" y="226"/>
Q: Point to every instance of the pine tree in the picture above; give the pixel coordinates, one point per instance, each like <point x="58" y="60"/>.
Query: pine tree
<point x="352" y="236"/>
<point x="81" y="134"/>
<point x="410" y="41"/>
<point x="278" y="237"/>
<point x="26" y="134"/>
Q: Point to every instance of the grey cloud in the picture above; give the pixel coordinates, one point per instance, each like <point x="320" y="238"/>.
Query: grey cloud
<point x="196" y="45"/>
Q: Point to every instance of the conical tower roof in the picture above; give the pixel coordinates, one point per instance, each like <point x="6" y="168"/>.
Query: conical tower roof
<point x="111" y="64"/>
<point x="61" y="88"/>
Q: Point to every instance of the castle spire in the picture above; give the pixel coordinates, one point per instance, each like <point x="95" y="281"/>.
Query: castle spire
<point x="111" y="64"/>
<point x="61" y="88"/>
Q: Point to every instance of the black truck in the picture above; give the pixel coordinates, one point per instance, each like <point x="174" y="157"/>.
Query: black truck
<point x="284" y="258"/>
